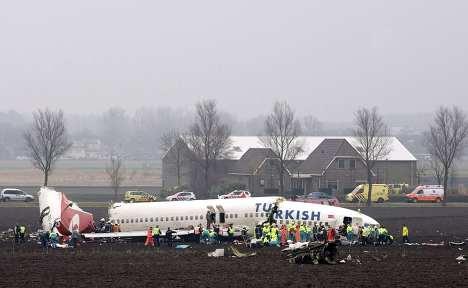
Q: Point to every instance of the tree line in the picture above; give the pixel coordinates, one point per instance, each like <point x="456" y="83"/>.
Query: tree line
<point x="207" y="136"/>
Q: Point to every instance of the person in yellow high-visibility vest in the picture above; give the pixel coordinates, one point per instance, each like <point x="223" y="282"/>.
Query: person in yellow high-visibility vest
<point x="405" y="233"/>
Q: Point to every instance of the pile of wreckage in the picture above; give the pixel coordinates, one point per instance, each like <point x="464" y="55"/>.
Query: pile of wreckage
<point x="311" y="253"/>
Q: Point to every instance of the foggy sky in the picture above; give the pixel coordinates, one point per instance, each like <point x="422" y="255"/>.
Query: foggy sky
<point x="326" y="58"/>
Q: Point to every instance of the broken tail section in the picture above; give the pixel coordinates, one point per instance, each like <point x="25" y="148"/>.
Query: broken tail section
<point x="56" y="211"/>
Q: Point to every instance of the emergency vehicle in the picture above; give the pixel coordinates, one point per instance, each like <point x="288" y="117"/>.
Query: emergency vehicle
<point x="426" y="193"/>
<point x="359" y="194"/>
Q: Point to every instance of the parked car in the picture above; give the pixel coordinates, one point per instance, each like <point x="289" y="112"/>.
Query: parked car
<point x="139" y="196"/>
<point x="235" y="194"/>
<point x="10" y="194"/>
<point x="426" y="193"/>
<point x="180" y="196"/>
<point x="359" y="194"/>
<point x="319" y="198"/>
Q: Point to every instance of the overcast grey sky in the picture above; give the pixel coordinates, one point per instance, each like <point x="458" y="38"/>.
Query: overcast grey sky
<point x="326" y="58"/>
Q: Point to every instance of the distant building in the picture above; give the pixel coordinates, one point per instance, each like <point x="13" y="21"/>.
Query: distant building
<point x="327" y="163"/>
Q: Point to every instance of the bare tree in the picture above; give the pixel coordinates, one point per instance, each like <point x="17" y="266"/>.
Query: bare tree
<point x="373" y="142"/>
<point x="115" y="171"/>
<point x="174" y="143"/>
<point x="46" y="140"/>
<point x="445" y="139"/>
<point x="437" y="170"/>
<point x="281" y="136"/>
<point x="208" y="138"/>
<point x="311" y="126"/>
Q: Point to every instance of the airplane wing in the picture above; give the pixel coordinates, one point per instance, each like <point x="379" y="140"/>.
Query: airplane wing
<point x="132" y="234"/>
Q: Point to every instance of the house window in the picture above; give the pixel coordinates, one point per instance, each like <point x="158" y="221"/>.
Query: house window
<point x="341" y="163"/>
<point x="262" y="182"/>
<point x="352" y="163"/>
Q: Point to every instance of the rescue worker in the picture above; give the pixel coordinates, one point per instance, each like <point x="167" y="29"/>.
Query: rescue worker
<point x="149" y="237"/>
<point x="284" y="235"/>
<point x="298" y="233"/>
<point x="244" y="232"/>
<point x="169" y="239"/>
<point x="331" y="234"/>
<point x="74" y="238"/>
<point x="303" y="232"/>
<point x="274" y="235"/>
<point x="308" y="233"/>
<point x="383" y="234"/>
<point x="349" y="233"/>
<point x="22" y="233"/>
<point x="16" y="230"/>
<point x="315" y="232"/>
<point x="213" y="236"/>
<point x="291" y="229"/>
<point x="258" y="232"/>
<point x="44" y="236"/>
<point x="230" y="232"/>
<point x="405" y="233"/>
<point x="265" y="230"/>
<point x="53" y="237"/>
<point x="156" y="235"/>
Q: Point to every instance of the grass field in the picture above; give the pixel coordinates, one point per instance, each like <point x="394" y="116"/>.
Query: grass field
<point x="78" y="173"/>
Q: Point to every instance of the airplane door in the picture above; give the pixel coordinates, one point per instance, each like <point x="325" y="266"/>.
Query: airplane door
<point x="222" y="215"/>
<point x="210" y="216"/>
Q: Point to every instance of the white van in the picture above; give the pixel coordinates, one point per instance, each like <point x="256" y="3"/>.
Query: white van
<point x="426" y="193"/>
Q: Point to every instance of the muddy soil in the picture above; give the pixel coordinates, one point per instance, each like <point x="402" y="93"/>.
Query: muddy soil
<point x="133" y="265"/>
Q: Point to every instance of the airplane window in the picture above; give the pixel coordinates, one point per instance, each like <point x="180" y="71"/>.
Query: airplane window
<point x="235" y="215"/>
<point x="191" y="217"/>
<point x="136" y="220"/>
<point x="226" y="216"/>
<point x="131" y="220"/>
<point x="231" y="216"/>
<point x="196" y="217"/>
<point x="151" y="219"/>
<point x="256" y="215"/>
<point x="126" y="221"/>
<point x="172" y="218"/>
<point x="177" y="218"/>
<point x="162" y="219"/>
<point x="118" y="221"/>
<point x="261" y="214"/>
<point x="186" y="217"/>
<point x="156" y="219"/>
<point x="146" y="219"/>
<point x="122" y="221"/>
<point x="141" y="220"/>
<point x="201" y="217"/>
<point x="167" y="218"/>
<point x="246" y="215"/>
<point x="251" y="215"/>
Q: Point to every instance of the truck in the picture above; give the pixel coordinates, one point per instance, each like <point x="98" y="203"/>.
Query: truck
<point x="359" y="194"/>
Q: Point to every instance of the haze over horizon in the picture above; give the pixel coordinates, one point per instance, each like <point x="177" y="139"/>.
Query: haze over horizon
<point x="325" y="58"/>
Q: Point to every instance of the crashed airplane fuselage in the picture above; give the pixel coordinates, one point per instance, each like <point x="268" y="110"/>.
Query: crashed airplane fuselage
<point x="59" y="212"/>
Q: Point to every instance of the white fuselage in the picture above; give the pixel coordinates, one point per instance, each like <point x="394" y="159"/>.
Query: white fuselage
<point x="239" y="212"/>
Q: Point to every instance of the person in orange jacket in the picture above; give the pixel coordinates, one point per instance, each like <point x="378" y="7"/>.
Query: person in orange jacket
<point x="284" y="235"/>
<point x="149" y="237"/>
<point x="298" y="232"/>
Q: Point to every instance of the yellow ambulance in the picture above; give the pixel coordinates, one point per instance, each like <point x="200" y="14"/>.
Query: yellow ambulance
<point x="359" y="194"/>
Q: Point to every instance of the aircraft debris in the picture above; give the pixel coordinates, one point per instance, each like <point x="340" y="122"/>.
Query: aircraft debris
<point x="311" y="253"/>
<point x="453" y="243"/>
<point x="236" y="253"/>
<point x="461" y="258"/>
<point x="182" y="246"/>
<point x="216" y="253"/>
